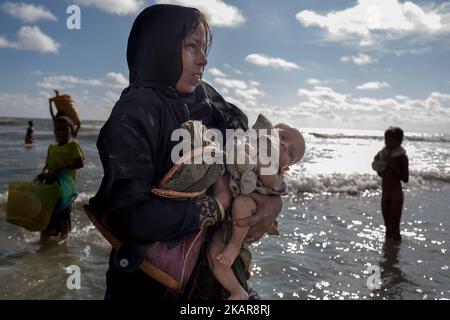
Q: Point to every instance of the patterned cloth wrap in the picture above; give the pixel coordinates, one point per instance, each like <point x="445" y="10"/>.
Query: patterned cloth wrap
<point x="191" y="176"/>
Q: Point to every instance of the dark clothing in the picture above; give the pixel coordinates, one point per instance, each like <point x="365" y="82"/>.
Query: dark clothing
<point x="131" y="286"/>
<point x="29" y="135"/>
<point x="135" y="143"/>
<point x="135" y="147"/>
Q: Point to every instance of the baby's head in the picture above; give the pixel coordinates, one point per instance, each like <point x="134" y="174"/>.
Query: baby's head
<point x="292" y="145"/>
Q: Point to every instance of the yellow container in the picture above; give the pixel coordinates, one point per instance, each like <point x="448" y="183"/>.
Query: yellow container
<point x="64" y="104"/>
<point x="30" y="204"/>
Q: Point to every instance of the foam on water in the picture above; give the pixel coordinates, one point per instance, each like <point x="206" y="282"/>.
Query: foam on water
<point x="331" y="226"/>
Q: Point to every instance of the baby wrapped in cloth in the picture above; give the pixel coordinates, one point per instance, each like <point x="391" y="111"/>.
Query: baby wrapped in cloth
<point x="187" y="179"/>
<point x="244" y="178"/>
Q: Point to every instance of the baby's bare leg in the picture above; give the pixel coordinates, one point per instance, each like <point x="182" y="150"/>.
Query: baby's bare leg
<point x="242" y="207"/>
<point x="224" y="274"/>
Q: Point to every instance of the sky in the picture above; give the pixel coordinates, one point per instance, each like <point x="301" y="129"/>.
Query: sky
<point x="324" y="64"/>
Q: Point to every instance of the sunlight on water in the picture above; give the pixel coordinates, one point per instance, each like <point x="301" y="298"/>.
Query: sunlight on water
<point x="331" y="227"/>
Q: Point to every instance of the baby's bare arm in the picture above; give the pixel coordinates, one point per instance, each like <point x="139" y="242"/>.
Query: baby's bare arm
<point x="222" y="192"/>
<point x="267" y="180"/>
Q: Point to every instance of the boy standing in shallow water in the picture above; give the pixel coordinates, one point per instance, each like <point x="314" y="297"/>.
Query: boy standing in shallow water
<point x="29" y="134"/>
<point x="391" y="164"/>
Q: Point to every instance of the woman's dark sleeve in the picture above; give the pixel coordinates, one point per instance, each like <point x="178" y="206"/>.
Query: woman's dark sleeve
<point x="128" y="148"/>
<point x="151" y="219"/>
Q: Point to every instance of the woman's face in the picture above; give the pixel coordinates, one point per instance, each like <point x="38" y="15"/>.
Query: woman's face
<point x="194" y="60"/>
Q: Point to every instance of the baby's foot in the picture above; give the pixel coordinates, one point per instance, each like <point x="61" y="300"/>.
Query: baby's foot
<point x="238" y="295"/>
<point x="228" y="255"/>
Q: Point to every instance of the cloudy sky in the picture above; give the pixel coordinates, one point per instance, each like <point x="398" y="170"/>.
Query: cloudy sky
<point x="335" y="64"/>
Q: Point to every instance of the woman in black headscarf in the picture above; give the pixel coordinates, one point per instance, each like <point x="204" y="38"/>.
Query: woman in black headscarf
<point x="166" y="57"/>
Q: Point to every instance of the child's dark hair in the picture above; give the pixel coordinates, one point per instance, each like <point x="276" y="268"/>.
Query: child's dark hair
<point x="30" y="123"/>
<point x="192" y="23"/>
<point x="66" y="120"/>
<point x="395" y="133"/>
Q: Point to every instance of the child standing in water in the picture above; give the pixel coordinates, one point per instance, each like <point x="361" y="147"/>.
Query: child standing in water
<point x="66" y="154"/>
<point x="29" y="134"/>
<point x="391" y="164"/>
<point x="245" y="179"/>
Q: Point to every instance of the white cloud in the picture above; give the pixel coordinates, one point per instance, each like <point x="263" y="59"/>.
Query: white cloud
<point x="110" y="98"/>
<point x="4" y="43"/>
<point x="324" y="105"/>
<point x="13" y="104"/>
<point x="359" y="59"/>
<point x="250" y="94"/>
<point x="373" y="85"/>
<point x="31" y="38"/>
<point x="232" y="83"/>
<point x="216" y="73"/>
<point x="370" y="22"/>
<point x="440" y="96"/>
<point x="266" y="61"/>
<point x="111" y="80"/>
<point x="37" y="73"/>
<point x="115" y="80"/>
<point x="224" y="91"/>
<point x="118" y="7"/>
<point x="219" y="13"/>
<point x="313" y="81"/>
<point x="244" y="93"/>
<point x="28" y="12"/>
<point x="96" y="107"/>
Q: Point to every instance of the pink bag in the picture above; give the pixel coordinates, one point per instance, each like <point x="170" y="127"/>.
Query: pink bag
<point x="170" y="266"/>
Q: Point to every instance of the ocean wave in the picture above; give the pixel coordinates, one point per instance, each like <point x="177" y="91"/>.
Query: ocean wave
<point x="353" y="184"/>
<point x="6" y="122"/>
<point x="414" y="137"/>
<point x="336" y="183"/>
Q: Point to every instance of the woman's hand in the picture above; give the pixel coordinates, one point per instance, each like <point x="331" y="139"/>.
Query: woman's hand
<point x="269" y="207"/>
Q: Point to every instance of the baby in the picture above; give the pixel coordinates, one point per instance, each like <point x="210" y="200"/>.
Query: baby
<point x="245" y="179"/>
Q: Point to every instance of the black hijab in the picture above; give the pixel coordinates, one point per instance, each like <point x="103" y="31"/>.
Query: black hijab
<point x="154" y="44"/>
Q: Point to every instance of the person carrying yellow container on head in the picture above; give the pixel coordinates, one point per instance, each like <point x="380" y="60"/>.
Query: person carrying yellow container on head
<point x="63" y="159"/>
<point x="64" y="106"/>
<point x="44" y="204"/>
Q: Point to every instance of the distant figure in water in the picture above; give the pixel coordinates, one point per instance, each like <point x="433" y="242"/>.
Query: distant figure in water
<point x="391" y="164"/>
<point x="29" y="135"/>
